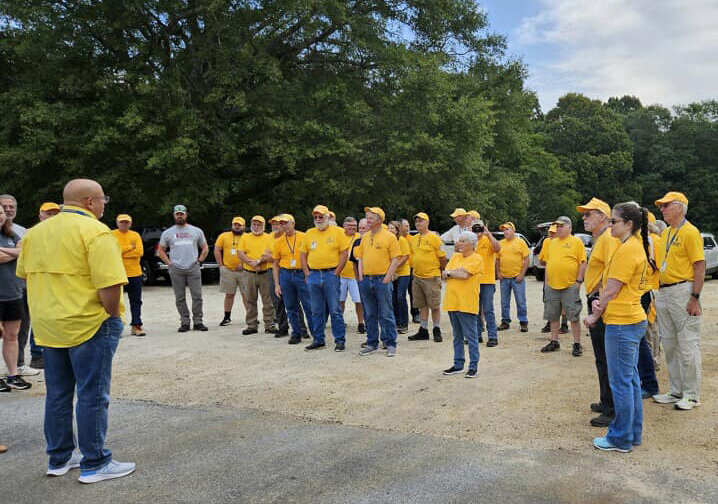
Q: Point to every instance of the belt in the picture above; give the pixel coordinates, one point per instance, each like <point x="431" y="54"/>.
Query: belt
<point x="256" y="272"/>
<point x="672" y="284"/>
<point x="324" y="269"/>
<point x="293" y="270"/>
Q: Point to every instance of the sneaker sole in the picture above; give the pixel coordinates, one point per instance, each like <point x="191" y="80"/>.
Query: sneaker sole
<point x="695" y="405"/>
<point x="95" y="478"/>
<point x="663" y="401"/>
<point x="364" y="354"/>
<point x="460" y="371"/>
<point x="62" y="470"/>
<point x="470" y="376"/>
<point x="15" y="387"/>
<point x="613" y="448"/>
<point x="339" y="349"/>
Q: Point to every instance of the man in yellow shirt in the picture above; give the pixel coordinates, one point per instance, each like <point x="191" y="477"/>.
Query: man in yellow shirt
<point x="280" y="311"/>
<point x="428" y="261"/>
<point x="406" y="233"/>
<point x="565" y="260"/>
<point x="682" y="273"/>
<point x="75" y="275"/>
<point x="348" y="281"/>
<point x="462" y="222"/>
<point x="487" y="247"/>
<point x="48" y="209"/>
<point x="255" y="251"/>
<point x="323" y="255"/>
<point x="378" y="254"/>
<point x="231" y="272"/>
<point x="132" y="251"/>
<point x="513" y="261"/>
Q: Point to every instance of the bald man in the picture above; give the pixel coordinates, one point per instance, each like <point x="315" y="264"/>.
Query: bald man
<point x="74" y="272"/>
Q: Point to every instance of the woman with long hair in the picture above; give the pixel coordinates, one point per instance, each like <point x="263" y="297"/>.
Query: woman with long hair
<point x="401" y="282"/>
<point x="624" y="281"/>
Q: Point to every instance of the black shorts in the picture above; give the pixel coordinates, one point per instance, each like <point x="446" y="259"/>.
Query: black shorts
<point x="12" y="310"/>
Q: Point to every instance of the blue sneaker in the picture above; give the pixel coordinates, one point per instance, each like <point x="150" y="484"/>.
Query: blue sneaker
<point x="604" y="444"/>
<point x="72" y="463"/>
<point x="110" y="471"/>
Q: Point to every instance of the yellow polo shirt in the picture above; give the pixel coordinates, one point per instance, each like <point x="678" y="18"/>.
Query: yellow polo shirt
<point x="685" y="248"/>
<point x="287" y="250"/>
<point x="603" y="248"/>
<point x="463" y="294"/>
<point x="511" y="256"/>
<point x="654" y="276"/>
<point x="65" y="261"/>
<point x="629" y="266"/>
<point x="376" y="250"/>
<point x="228" y="242"/>
<point x="486" y="251"/>
<point x="255" y="246"/>
<point x="563" y="256"/>
<point x="404" y="250"/>
<point x="348" y="271"/>
<point x="425" y="254"/>
<point x="132" y="251"/>
<point x="323" y="248"/>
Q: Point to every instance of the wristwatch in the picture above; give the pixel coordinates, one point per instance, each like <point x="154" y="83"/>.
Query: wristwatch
<point x="579" y="280"/>
<point x="696" y="296"/>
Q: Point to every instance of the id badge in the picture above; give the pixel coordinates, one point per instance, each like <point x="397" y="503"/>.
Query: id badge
<point x="663" y="266"/>
<point x="313" y="245"/>
<point x="233" y="252"/>
<point x="293" y="263"/>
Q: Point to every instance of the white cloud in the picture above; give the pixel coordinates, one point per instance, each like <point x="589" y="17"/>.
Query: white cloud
<point x="663" y="51"/>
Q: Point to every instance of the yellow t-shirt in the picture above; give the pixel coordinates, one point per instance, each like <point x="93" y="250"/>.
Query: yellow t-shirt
<point x="685" y="249"/>
<point x="563" y="256"/>
<point x="654" y="276"/>
<point x="132" y="251"/>
<point x="376" y="250"/>
<point x="463" y="294"/>
<point x="511" y="256"/>
<point x="425" y="254"/>
<point x="348" y="271"/>
<point x="629" y="266"/>
<point x="65" y="261"/>
<point x="255" y="246"/>
<point x="404" y="250"/>
<point x="486" y="251"/>
<point x="603" y="248"/>
<point x="287" y="250"/>
<point x="229" y="243"/>
<point x="323" y="248"/>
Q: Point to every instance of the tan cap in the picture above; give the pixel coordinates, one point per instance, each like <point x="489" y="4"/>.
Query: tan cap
<point x="377" y="211"/>
<point x="474" y="214"/>
<point x="285" y="217"/>
<point x="458" y="212"/>
<point x="332" y="215"/>
<point x="507" y="225"/>
<point x="238" y="220"/>
<point x="320" y="209"/>
<point x="595" y="204"/>
<point x="422" y="215"/>
<point x="672" y="196"/>
<point x="258" y="218"/>
<point x="48" y="205"/>
<point x="120" y="218"/>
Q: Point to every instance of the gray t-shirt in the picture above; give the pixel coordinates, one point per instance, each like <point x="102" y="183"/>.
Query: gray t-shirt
<point x="19" y="230"/>
<point x="184" y="243"/>
<point x="10" y="285"/>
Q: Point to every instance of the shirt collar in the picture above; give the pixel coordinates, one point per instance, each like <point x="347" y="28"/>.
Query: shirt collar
<point x="76" y="209"/>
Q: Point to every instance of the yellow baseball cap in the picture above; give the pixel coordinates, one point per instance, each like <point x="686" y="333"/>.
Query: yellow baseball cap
<point x="422" y="215"/>
<point x="259" y="218"/>
<point x="377" y="211"/>
<point x="552" y="228"/>
<point x="321" y="209"/>
<point x="285" y="217"/>
<point x="239" y="220"/>
<point x="121" y="217"/>
<point x="332" y="215"/>
<point x="458" y="212"/>
<point x="274" y="219"/>
<point x="474" y="214"/>
<point x="672" y="196"/>
<point x="384" y="226"/>
<point x="595" y="204"/>
<point x="49" y="205"/>
<point x="507" y="225"/>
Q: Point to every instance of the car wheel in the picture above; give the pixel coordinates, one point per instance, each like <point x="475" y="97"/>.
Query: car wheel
<point x="148" y="276"/>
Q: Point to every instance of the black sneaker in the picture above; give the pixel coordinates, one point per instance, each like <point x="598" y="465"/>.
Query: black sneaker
<point x="315" y="346"/>
<point x="225" y="321"/>
<point x="305" y="336"/>
<point x="200" y="327"/>
<point x="577" y="350"/>
<point x="563" y="329"/>
<point x="3" y="386"/>
<point x="492" y="342"/>
<point x="295" y="340"/>
<point x="37" y="362"/>
<point x="547" y="328"/>
<point x="503" y="326"/>
<point x="250" y="330"/>
<point x="183" y="328"/>
<point x="601" y="420"/>
<point x="471" y="373"/>
<point x="551" y="347"/>
<point x="281" y="334"/>
<point x="524" y="326"/>
<point x="415" y="319"/>
<point x="453" y="370"/>
<point x="437" y="335"/>
<point x="361" y="328"/>
<point x="339" y="347"/>
<point x="423" y="334"/>
<point x="17" y="383"/>
<point x="402" y="329"/>
<point x="596" y="407"/>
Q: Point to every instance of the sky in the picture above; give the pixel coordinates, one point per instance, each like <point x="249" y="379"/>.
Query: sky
<point x="663" y="51"/>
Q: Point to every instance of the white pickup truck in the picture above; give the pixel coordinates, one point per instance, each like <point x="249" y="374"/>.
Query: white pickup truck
<point x="710" y="247"/>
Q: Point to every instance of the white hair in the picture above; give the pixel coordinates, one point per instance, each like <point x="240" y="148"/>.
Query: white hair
<point x="468" y="236"/>
<point x="682" y="206"/>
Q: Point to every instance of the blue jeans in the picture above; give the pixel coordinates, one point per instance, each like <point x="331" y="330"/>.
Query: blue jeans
<point x="401" y="307"/>
<point x="622" y="342"/>
<point x="486" y="303"/>
<point x="324" y="292"/>
<point x="378" y="310"/>
<point x="134" y="292"/>
<point x="294" y="292"/>
<point x="89" y="368"/>
<point x="519" y="288"/>
<point x="464" y="325"/>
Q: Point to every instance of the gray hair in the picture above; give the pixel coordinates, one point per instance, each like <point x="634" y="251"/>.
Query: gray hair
<point x="349" y="219"/>
<point x="682" y="206"/>
<point x="469" y="237"/>
<point x="9" y="196"/>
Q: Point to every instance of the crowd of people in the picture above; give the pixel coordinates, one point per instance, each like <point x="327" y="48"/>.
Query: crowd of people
<point x="642" y="286"/>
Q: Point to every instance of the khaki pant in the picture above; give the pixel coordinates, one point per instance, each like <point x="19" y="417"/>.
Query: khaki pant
<point x="680" y="334"/>
<point x="258" y="284"/>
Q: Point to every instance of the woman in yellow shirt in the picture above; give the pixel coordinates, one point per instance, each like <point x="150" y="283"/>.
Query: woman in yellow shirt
<point x="624" y="280"/>
<point x="461" y="299"/>
<point x="401" y="281"/>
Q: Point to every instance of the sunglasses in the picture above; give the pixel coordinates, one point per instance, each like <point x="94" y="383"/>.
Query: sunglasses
<point x="615" y="221"/>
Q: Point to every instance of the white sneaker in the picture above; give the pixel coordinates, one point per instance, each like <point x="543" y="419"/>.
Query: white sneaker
<point x="687" y="404"/>
<point x="27" y="371"/>
<point x="110" y="471"/>
<point x="666" y="398"/>
<point x="73" y="463"/>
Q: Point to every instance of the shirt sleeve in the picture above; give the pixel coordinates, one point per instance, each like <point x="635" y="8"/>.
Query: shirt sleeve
<point x="219" y="242"/>
<point x="358" y="249"/>
<point x="164" y="238"/>
<point x="344" y="241"/>
<point x="524" y="249"/>
<point x="20" y="264"/>
<point x="694" y="246"/>
<point x="394" y="248"/>
<point x="105" y="262"/>
<point x="581" y="250"/>
<point x="436" y="242"/>
<point x="622" y="266"/>
<point x="404" y="247"/>
<point x="202" y="239"/>
<point x="475" y="266"/>
<point x="277" y="249"/>
<point x="304" y="247"/>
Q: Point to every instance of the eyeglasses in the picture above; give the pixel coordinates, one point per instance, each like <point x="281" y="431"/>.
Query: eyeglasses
<point x="106" y="199"/>
<point x="614" y="221"/>
<point x="320" y="217"/>
<point x="665" y="205"/>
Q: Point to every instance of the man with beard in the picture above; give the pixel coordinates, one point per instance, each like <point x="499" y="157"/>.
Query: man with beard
<point x="255" y="251"/>
<point x="231" y="273"/>
<point x="184" y="241"/>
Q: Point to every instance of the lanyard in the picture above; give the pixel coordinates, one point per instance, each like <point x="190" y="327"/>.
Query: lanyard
<point x="293" y="247"/>
<point x="68" y="210"/>
<point x="669" y="242"/>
